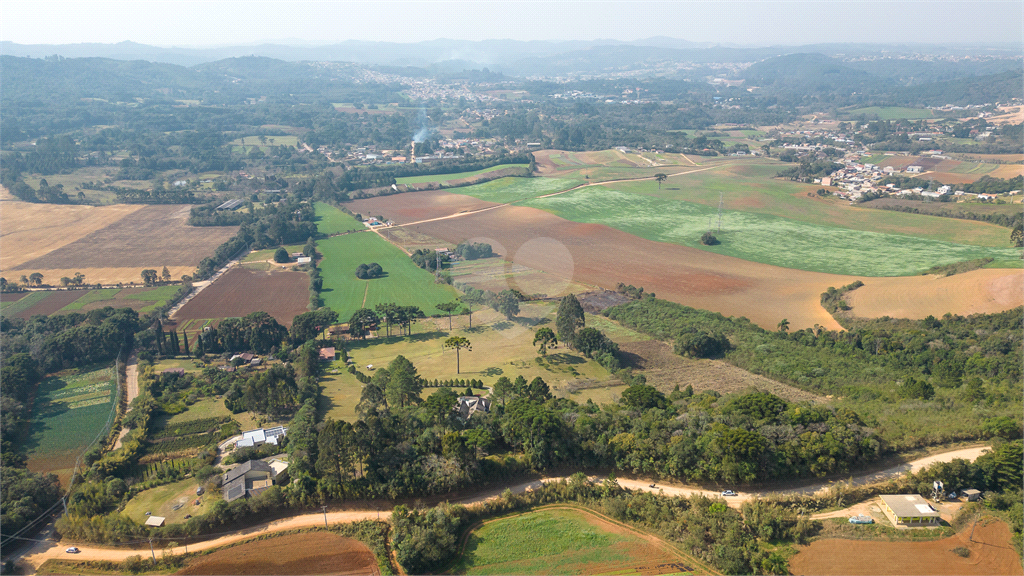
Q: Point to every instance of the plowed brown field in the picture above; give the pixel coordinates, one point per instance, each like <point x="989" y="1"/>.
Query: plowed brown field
<point x="598" y="255"/>
<point x="991" y="553"/>
<point x="986" y="291"/>
<point x="241" y="291"/>
<point x="310" y="553"/>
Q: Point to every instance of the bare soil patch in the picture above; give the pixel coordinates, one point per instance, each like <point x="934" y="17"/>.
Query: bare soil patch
<point x="152" y="237"/>
<point x="309" y="553"/>
<point x="991" y="553"/>
<point x="665" y="370"/>
<point x="8" y="297"/>
<point x="981" y="291"/>
<point x="600" y="300"/>
<point x="241" y="291"/>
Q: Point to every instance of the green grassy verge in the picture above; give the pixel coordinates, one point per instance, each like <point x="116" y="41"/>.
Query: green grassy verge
<point x="455" y="176"/>
<point x="766" y="238"/>
<point x="158" y="296"/>
<point x="331" y="220"/>
<point x="92" y="296"/>
<point x="405" y="284"/>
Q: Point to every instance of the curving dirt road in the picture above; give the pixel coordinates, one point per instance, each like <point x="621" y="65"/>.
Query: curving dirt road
<point x="131" y="372"/>
<point x="45" y="550"/>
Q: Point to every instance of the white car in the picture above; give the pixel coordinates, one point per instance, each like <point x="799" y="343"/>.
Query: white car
<point x="72" y="550"/>
<point x="729" y="493"/>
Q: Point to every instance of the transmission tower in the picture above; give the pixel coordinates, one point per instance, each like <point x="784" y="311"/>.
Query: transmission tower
<point x="437" y="270"/>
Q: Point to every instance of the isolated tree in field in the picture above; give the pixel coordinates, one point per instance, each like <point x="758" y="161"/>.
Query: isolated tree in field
<point x="508" y="304"/>
<point x="23" y="280"/>
<point x="281" y="255"/>
<point x="545" y="338"/>
<point x="36" y="278"/>
<point x="784" y="326"/>
<point x="165" y="275"/>
<point x="467" y="311"/>
<point x="458" y="343"/>
<point x="404" y="385"/>
<point x="78" y="279"/>
<point x="448" y="308"/>
<point x="569" y="319"/>
<point x="1017" y="235"/>
<point x="708" y="239"/>
<point x="660" y="178"/>
<point x="388" y="312"/>
<point x="65" y="281"/>
<point x="149" y="276"/>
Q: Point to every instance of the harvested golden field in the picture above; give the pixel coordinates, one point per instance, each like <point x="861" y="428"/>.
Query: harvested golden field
<point x="29" y="231"/>
<point x="979" y="291"/>
<point x="108" y="244"/>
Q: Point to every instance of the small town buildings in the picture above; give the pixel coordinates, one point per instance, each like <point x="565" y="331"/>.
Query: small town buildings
<point x="971" y="494"/>
<point x="909" y="510"/>
<point x="914" y="169"/>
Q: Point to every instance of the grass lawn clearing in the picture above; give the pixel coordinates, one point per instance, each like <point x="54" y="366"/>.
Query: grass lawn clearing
<point x="162" y="501"/>
<point x="455" y="176"/>
<point x="563" y="541"/>
<point x="405" y="283"/>
<point x="69" y="411"/>
<point x="268" y="254"/>
<point x="331" y="220"/>
<point x="205" y="408"/>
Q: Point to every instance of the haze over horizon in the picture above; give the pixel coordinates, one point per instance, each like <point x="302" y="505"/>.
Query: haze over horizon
<point x="195" y="24"/>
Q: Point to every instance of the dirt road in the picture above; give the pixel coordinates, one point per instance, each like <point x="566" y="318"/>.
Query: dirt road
<point x="42" y="551"/>
<point x="131" y="371"/>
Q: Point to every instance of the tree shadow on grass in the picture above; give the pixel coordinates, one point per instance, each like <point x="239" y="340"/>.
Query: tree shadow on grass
<point x="418" y="337"/>
<point x="563" y="359"/>
<point x="528" y="322"/>
<point x="502" y="325"/>
<point x="475" y="329"/>
<point x="493" y="371"/>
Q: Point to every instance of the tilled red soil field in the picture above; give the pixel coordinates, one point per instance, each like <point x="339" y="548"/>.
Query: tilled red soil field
<point x="241" y="291"/>
<point x="309" y="553"/>
<point x="991" y="553"/>
<point x="603" y="256"/>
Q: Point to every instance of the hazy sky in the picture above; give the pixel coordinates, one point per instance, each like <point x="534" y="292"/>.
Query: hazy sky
<point x="212" y="23"/>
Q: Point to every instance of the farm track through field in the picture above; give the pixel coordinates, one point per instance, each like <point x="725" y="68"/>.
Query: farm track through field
<point x="131" y="372"/>
<point x="44" y="550"/>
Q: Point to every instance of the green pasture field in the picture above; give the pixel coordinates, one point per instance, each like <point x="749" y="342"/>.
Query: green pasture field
<point x="873" y="159"/>
<point x="92" y="296"/>
<point x="268" y="254"/>
<point x="891" y="113"/>
<point x="339" y="394"/>
<point x="158" y="296"/>
<point x="505" y="190"/>
<point x="331" y="220"/>
<point x="72" y="183"/>
<point x="499" y="348"/>
<point x="455" y="176"/>
<point x="552" y="541"/>
<point x="70" y="410"/>
<point x="766" y="238"/>
<point x="250" y="141"/>
<point x="405" y="284"/>
<point x="750" y="186"/>
<point x="23" y="303"/>
<point x="160" y="501"/>
<point x="973" y="168"/>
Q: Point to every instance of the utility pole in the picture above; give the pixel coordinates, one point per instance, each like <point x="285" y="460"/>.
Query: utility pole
<point x="325" y="515"/>
<point x="151" y="551"/>
<point x="721" y="197"/>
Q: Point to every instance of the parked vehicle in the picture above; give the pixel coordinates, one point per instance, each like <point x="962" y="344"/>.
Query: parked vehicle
<point x="729" y="493"/>
<point x="72" y="550"/>
<point x="861" y="519"/>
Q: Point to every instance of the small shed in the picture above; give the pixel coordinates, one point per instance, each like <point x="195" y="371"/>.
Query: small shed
<point x="909" y="510"/>
<point x="327" y="353"/>
<point x="971" y="494"/>
<point x="155" y="521"/>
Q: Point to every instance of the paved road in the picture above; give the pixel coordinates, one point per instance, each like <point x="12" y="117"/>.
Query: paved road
<point x="42" y="551"/>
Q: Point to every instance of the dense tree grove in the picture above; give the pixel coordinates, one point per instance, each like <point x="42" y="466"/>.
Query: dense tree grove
<point x="972" y="365"/>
